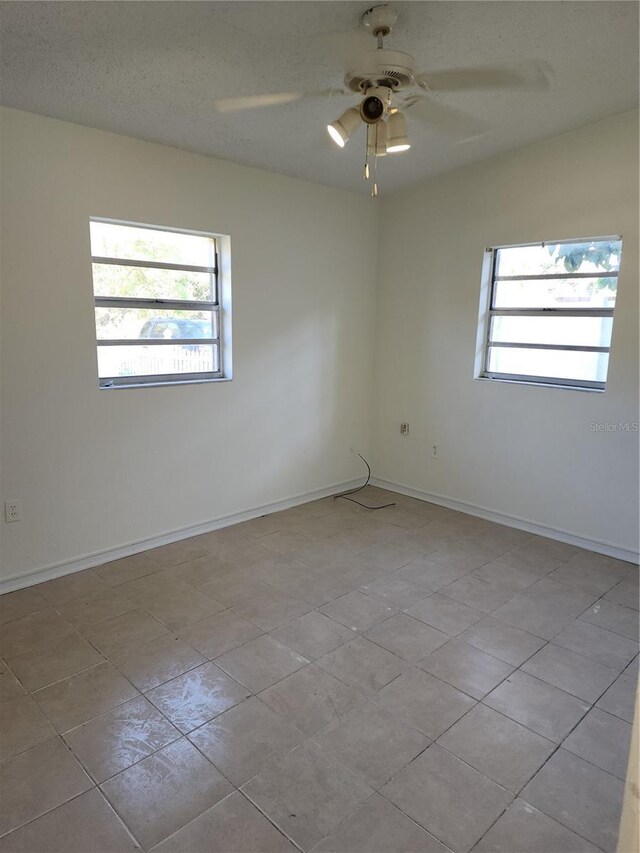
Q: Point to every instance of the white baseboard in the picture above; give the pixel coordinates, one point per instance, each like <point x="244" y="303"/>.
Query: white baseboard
<point x="607" y="548"/>
<point x="97" y="558"/>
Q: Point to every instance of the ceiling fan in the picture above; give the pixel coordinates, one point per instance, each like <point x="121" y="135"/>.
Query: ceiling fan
<point x="388" y="84"/>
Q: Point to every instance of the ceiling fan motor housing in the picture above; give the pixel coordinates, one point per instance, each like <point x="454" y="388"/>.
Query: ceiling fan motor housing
<point x="375" y="104"/>
<point x="390" y="68"/>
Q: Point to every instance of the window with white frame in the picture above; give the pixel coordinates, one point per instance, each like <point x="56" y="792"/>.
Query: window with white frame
<point x="550" y="312"/>
<point x="158" y="306"/>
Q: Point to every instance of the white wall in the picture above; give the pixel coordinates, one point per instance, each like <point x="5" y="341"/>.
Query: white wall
<point x="100" y="469"/>
<point x="97" y="470"/>
<point x="522" y="451"/>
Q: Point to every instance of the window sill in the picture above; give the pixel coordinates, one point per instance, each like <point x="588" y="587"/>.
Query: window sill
<point x="539" y="384"/>
<point x="165" y="384"/>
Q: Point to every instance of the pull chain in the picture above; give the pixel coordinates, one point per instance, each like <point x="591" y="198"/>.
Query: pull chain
<point x="374" y="188"/>
<point x="365" y="174"/>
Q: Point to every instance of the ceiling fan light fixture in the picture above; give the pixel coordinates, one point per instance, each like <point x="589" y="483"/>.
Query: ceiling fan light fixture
<point x="341" y="129"/>
<point x="377" y="135"/>
<point x="398" y="139"/>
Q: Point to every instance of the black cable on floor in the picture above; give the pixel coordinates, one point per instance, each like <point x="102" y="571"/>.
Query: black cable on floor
<point x="345" y="495"/>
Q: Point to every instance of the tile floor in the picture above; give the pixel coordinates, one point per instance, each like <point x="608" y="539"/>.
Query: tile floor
<point x="323" y="679"/>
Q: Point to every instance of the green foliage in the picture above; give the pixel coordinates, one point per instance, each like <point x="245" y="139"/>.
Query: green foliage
<point x="141" y="283"/>
<point x="604" y="256"/>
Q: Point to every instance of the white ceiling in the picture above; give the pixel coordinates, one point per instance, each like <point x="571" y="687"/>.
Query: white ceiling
<point x="153" y="70"/>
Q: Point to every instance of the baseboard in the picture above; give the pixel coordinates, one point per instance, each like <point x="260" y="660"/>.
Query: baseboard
<point x="607" y="548"/>
<point x="97" y="558"/>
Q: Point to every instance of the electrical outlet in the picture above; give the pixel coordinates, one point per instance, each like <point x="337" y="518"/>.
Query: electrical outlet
<point x="435" y="451"/>
<point x="404" y="429"/>
<point x="12" y="511"/>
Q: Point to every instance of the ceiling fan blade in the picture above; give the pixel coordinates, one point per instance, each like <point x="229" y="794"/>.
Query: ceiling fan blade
<point x="533" y="76"/>
<point x="251" y="102"/>
<point x="459" y="125"/>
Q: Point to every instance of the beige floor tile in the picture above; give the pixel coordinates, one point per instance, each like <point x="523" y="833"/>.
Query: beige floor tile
<point x="463" y="554"/>
<point x="22" y="725"/>
<point x="235" y="586"/>
<point x="164" y="792"/>
<point x="479" y="594"/>
<point x="313" y="635"/>
<point x="466" y="668"/>
<point x="219" y="633"/>
<point x="540" y="707"/>
<point x="353" y="570"/>
<point x="158" y="584"/>
<point x="10" y="687"/>
<point x="371" y="743"/>
<point x="181" y="606"/>
<point x="260" y="663"/>
<point x="285" y="541"/>
<point x="87" y="823"/>
<point x="311" y="698"/>
<point x="270" y="609"/>
<point x="424" y="702"/>
<point x="128" y="631"/>
<point x="425" y="572"/>
<point x="14" y="605"/>
<point x="614" y="617"/>
<point x="499" y="573"/>
<point x="603" y="646"/>
<point x="532" y="558"/>
<point x="406" y="637"/>
<point x="78" y="699"/>
<point x="444" y="613"/>
<point x="85" y="612"/>
<point x="157" y="661"/>
<point x="201" y="570"/>
<point x="306" y="794"/>
<point x="503" y="641"/>
<point x="76" y="585"/>
<point x="358" y="611"/>
<point x="123" y="736"/>
<point x="527" y="830"/>
<point x="620" y="698"/>
<point x="161" y="617"/>
<point x="127" y="569"/>
<point x="395" y="591"/>
<point x="54" y="661"/>
<point x="177" y="553"/>
<point x="363" y="665"/>
<point x="246" y="739"/>
<point x="379" y="827"/>
<point x="603" y="740"/>
<point x="580" y="796"/>
<point x="527" y="612"/>
<point x="575" y="674"/>
<point x="31" y="631"/>
<point x="232" y="826"/>
<point x="597" y="576"/>
<point x="393" y="553"/>
<point x="431" y="789"/>
<point x="625" y="593"/>
<point x="37" y="781"/>
<point x="315" y="589"/>
<point x="245" y="555"/>
<point x="197" y="696"/>
<point x="498" y="747"/>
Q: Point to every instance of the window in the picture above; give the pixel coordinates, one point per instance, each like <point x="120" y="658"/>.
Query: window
<point x="160" y="314"/>
<point x="550" y="313"/>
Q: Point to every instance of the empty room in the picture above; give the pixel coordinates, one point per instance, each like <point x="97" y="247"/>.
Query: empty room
<point x="319" y="427"/>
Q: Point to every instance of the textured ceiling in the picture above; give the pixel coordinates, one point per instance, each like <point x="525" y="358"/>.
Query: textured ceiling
<point x="153" y="70"/>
